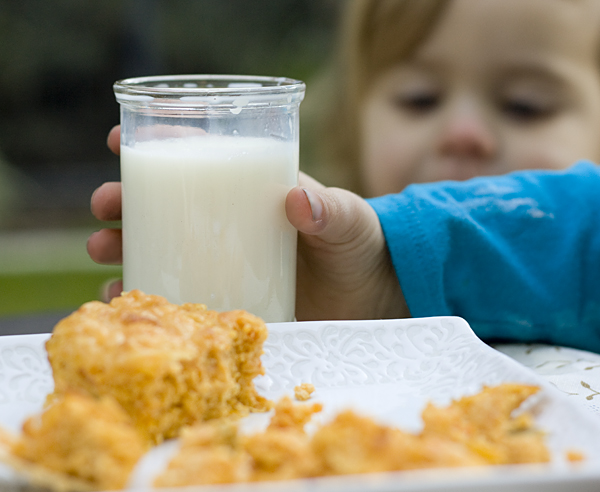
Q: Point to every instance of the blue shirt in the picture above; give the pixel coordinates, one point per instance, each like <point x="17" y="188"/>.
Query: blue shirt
<point x="517" y="256"/>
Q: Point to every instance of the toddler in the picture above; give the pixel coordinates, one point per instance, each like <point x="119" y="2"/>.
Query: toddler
<point x="428" y="90"/>
<point x="518" y="256"/>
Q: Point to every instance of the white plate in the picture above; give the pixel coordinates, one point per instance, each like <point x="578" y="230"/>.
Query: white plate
<point x="386" y="369"/>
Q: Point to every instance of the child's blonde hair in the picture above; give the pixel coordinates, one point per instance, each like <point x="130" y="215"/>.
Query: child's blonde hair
<point x="374" y="35"/>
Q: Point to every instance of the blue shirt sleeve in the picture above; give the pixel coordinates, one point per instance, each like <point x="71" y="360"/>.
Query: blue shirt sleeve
<point x="517" y="256"/>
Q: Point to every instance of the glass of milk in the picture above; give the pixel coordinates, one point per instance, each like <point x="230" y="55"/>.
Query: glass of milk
<point x="206" y="164"/>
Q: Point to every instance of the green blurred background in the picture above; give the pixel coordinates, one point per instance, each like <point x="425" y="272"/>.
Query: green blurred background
<point x="58" y="61"/>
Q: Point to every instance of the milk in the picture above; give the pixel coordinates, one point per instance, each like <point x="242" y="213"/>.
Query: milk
<point x="204" y="221"/>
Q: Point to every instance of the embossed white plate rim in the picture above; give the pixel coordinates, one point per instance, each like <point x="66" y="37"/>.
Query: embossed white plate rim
<point x="526" y="478"/>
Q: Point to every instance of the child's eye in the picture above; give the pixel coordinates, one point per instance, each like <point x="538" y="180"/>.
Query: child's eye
<point x="526" y="111"/>
<point x="418" y="103"/>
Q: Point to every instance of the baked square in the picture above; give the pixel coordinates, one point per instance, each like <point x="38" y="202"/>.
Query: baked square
<point x="167" y="365"/>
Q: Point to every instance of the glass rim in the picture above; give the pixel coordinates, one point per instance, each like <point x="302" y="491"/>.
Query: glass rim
<point x="208" y="93"/>
<point x="237" y="85"/>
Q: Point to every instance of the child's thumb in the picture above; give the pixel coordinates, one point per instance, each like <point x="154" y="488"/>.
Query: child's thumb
<point x="333" y="215"/>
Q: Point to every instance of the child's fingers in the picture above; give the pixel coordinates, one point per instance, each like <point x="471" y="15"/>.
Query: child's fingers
<point x="111" y="288"/>
<point x="106" y="201"/>
<point x="106" y="246"/>
<point x="114" y="139"/>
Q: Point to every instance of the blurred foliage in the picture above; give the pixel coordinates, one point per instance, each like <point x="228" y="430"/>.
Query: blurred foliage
<point x="59" y="58"/>
<point x="55" y="60"/>
<point x="58" y="61"/>
<point x="50" y="291"/>
<point x="266" y="37"/>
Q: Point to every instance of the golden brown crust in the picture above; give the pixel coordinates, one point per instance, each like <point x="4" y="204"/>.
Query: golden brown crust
<point x="484" y="424"/>
<point x="139" y="370"/>
<point x="85" y="440"/>
<point x="457" y="435"/>
<point x="289" y="415"/>
<point x="167" y="365"/>
<point x="39" y="476"/>
<point x="211" y="452"/>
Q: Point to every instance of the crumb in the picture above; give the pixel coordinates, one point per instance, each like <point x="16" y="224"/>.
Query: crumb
<point x="281" y="454"/>
<point x="289" y="415"/>
<point x="472" y="431"/>
<point x="213" y="452"/>
<point x="485" y="424"/>
<point x="303" y="391"/>
<point x="574" y="456"/>
<point x="210" y="453"/>
<point x="136" y="371"/>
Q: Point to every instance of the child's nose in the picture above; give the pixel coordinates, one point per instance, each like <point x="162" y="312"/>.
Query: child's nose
<point x="467" y="135"/>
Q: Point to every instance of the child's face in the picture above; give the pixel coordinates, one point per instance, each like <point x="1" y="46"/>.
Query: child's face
<point x="500" y="85"/>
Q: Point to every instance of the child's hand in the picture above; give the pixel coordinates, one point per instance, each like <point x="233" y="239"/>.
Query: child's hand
<point x="344" y="269"/>
<point x="105" y="246"/>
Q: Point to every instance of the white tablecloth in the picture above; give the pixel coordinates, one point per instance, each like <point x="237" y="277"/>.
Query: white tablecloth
<point x="574" y="372"/>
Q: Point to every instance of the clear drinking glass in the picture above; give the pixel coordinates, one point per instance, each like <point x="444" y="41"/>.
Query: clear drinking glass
<point x="206" y="164"/>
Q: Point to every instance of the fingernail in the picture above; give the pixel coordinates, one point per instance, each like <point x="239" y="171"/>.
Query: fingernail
<point x="316" y="204"/>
